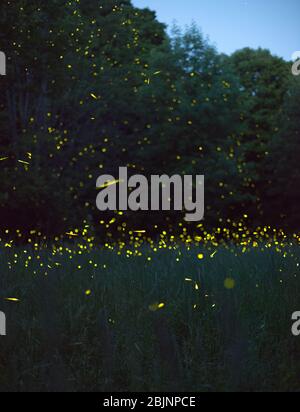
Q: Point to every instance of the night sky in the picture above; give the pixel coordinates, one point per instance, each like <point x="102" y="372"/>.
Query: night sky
<point x="234" y="24"/>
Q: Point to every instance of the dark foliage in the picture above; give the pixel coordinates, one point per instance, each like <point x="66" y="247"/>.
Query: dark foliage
<point x="93" y="85"/>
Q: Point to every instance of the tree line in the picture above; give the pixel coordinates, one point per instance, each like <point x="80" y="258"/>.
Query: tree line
<point x="95" y="85"/>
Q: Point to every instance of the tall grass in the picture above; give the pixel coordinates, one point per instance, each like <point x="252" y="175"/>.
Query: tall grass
<point x="102" y="328"/>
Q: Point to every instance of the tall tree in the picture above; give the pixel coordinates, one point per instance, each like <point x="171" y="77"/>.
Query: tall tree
<point x="282" y="195"/>
<point x="73" y="72"/>
<point x="264" y="83"/>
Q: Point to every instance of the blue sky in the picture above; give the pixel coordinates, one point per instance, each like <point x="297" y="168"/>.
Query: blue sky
<point x="234" y="24"/>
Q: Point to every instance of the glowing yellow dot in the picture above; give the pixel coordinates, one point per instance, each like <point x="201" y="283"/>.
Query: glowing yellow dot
<point x="12" y="299"/>
<point x="156" y="306"/>
<point x="229" y="283"/>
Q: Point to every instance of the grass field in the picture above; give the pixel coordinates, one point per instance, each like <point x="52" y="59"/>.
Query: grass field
<point x="184" y="319"/>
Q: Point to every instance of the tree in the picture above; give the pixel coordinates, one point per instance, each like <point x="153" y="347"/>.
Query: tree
<point x="282" y="195"/>
<point x="73" y="73"/>
<point x="264" y="83"/>
<point x="192" y="118"/>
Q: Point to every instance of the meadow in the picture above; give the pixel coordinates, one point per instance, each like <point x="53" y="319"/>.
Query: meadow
<point x="168" y="317"/>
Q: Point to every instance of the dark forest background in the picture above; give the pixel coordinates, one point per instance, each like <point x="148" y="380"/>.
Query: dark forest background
<point x="94" y="85"/>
